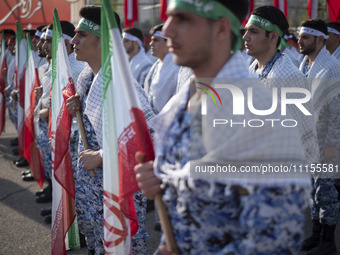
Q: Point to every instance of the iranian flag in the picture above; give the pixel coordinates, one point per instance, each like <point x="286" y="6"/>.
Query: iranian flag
<point x="31" y="152"/>
<point x="20" y="56"/>
<point x="63" y="203"/>
<point x="3" y="64"/>
<point x="124" y="133"/>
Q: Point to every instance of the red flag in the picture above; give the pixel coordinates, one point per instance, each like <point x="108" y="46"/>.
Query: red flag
<point x="130" y="12"/>
<point x="3" y="64"/>
<point x="250" y="10"/>
<point x="312" y="9"/>
<point x="334" y="10"/>
<point x="31" y="152"/>
<point x="282" y="5"/>
<point x="163" y="8"/>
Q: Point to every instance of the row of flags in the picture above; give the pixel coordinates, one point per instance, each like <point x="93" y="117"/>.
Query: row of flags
<point x="122" y="119"/>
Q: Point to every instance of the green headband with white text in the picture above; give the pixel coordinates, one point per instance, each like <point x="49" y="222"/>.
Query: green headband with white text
<point x="268" y="26"/>
<point x="89" y="26"/>
<point x="211" y="10"/>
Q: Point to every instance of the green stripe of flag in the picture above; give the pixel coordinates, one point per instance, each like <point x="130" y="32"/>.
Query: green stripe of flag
<point x="111" y="20"/>
<point x="57" y="33"/>
<point x="106" y="44"/>
<point x="19" y="37"/>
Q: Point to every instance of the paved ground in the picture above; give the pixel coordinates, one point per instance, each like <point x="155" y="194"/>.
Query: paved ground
<point x="22" y="229"/>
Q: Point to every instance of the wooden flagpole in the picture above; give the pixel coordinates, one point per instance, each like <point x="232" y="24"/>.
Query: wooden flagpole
<point x="83" y="136"/>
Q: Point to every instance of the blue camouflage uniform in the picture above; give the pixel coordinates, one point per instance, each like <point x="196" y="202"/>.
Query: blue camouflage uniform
<point x="226" y="215"/>
<point x="89" y="195"/>
<point x="214" y="218"/>
<point x="45" y="148"/>
<point x="325" y="202"/>
<point x="74" y="140"/>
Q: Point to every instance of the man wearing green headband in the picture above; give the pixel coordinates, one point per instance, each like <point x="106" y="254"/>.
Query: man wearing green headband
<point x="263" y="37"/>
<point x="272" y="21"/>
<point x="88" y="100"/>
<point x="220" y="213"/>
<point x="276" y="69"/>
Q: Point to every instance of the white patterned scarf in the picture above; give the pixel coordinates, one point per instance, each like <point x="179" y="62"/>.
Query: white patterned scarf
<point x="324" y="79"/>
<point x="285" y="74"/>
<point x="95" y="98"/>
<point x="336" y="53"/>
<point x="161" y="82"/>
<point x="237" y="146"/>
<point x="140" y="65"/>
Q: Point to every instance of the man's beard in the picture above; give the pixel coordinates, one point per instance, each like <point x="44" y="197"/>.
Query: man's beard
<point x="310" y="48"/>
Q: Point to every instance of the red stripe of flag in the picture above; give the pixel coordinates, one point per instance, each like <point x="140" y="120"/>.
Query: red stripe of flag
<point x="130" y="12"/>
<point x="250" y="10"/>
<point x="31" y="152"/>
<point x="163" y="9"/>
<point x="282" y="5"/>
<point x="312" y="9"/>
<point x="334" y="10"/>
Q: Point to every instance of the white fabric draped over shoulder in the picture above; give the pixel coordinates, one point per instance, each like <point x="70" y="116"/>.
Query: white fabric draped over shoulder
<point x="324" y="79"/>
<point x="140" y="65"/>
<point x="292" y="56"/>
<point x="94" y="101"/>
<point x="285" y="74"/>
<point x="336" y="53"/>
<point x="184" y="74"/>
<point x="161" y="82"/>
<point x="238" y="145"/>
<point x="76" y="67"/>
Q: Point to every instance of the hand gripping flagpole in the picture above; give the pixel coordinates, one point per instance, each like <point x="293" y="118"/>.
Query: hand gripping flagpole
<point x="83" y="136"/>
<point x="139" y="123"/>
